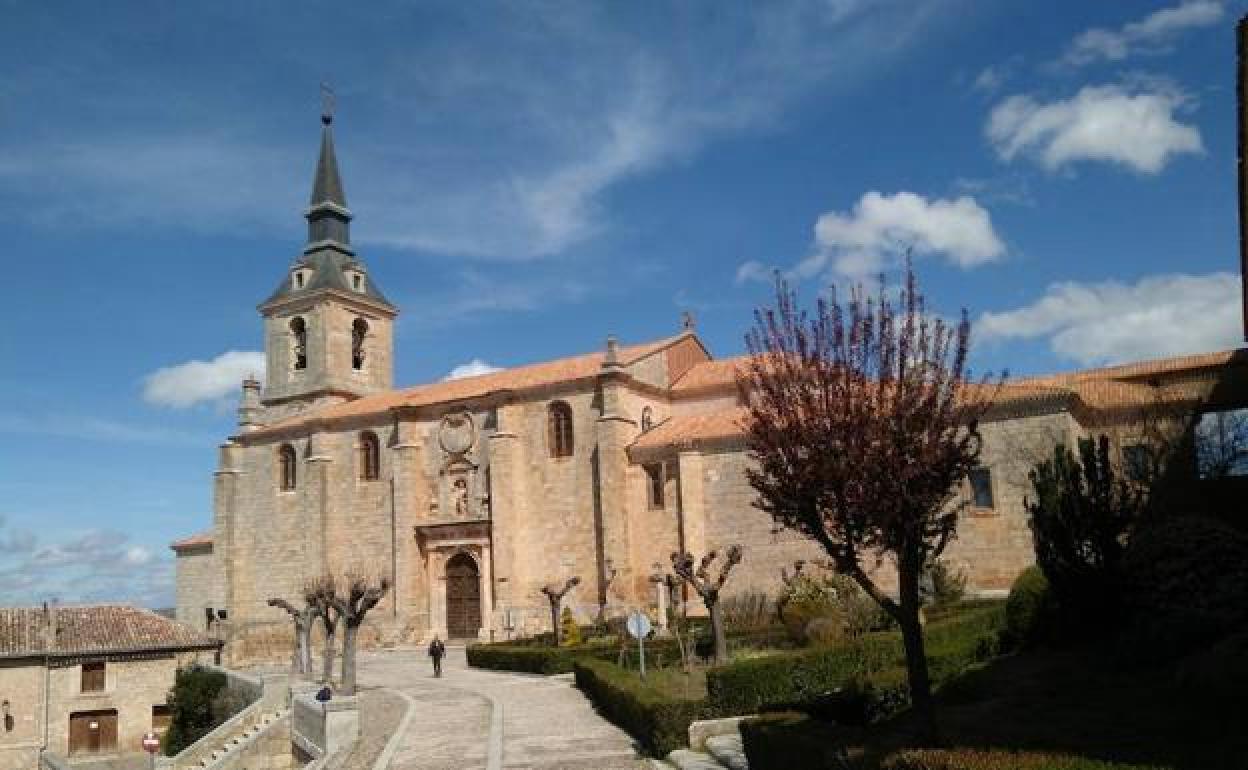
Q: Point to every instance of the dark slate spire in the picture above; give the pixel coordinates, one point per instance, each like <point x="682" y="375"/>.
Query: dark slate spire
<point x="327" y="214"/>
<point x="328" y="261"/>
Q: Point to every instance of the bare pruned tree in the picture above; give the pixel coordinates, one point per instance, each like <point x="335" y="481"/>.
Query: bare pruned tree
<point x="709" y="588"/>
<point x="322" y="593"/>
<point x="863" y="423"/>
<point x="358" y="595"/>
<point x="302" y="617"/>
<point x="554" y="595"/>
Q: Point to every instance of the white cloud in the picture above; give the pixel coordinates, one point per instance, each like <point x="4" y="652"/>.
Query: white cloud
<point x="1111" y="322"/>
<point x="89" y="566"/>
<point x="1135" y="128"/>
<point x="861" y="242"/>
<point x="471" y="369"/>
<point x="1146" y="35"/>
<point x="197" y="382"/>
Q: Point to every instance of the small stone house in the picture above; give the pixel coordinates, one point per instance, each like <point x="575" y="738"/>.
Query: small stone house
<point x="86" y="682"/>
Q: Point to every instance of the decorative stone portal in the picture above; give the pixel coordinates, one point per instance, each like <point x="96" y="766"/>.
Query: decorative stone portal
<point x="457" y="561"/>
<point x="463" y="597"/>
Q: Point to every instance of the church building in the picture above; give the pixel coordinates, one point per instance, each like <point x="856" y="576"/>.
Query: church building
<point x="472" y="494"/>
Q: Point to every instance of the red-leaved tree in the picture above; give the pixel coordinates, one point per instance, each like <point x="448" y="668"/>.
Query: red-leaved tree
<point x="863" y="423"/>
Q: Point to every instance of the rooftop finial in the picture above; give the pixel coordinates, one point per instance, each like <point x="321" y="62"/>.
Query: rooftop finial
<point x="686" y="321"/>
<point x="327" y="103"/>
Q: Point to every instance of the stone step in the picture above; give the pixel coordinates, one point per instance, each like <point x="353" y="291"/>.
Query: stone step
<point x="728" y="750"/>
<point x="685" y="759"/>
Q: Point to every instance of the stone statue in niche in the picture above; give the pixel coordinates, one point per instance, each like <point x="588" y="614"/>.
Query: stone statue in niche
<point x="459" y="494"/>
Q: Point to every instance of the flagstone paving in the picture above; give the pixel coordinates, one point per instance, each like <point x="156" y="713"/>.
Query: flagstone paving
<point x="471" y="719"/>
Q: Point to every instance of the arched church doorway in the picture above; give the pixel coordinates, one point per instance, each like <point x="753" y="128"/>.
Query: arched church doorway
<point x="463" y="597"/>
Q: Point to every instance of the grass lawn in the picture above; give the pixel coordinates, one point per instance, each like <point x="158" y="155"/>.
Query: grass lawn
<point x="1069" y="702"/>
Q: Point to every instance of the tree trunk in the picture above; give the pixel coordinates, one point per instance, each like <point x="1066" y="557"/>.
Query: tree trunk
<point x="554" y="620"/>
<point x="717" y="629"/>
<point x="305" y="649"/>
<point x="348" y="659"/>
<point x="327" y="674"/>
<point x="916" y="656"/>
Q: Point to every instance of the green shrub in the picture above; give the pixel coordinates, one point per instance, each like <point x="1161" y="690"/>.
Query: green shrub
<point x="569" y="631"/>
<point x="824" y="608"/>
<point x="798" y="680"/>
<point x="788" y="741"/>
<point x="1030" y="613"/>
<point x="945" y="585"/>
<point x="972" y="759"/>
<point x="1082" y="515"/>
<point x="191" y="705"/>
<point x="659" y="723"/>
<point x="1186" y="583"/>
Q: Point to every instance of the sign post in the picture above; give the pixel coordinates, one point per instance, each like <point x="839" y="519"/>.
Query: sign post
<point x="151" y="744"/>
<point x="639" y="627"/>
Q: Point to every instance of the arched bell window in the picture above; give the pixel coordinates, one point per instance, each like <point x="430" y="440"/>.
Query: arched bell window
<point x="299" y="342"/>
<point x="287" y="463"/>
<point x="359" y="330"/>
<point x="559" y="429"/>
<point x="370" y="456"/>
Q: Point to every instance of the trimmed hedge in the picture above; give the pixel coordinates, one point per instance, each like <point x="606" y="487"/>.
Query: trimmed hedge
<point x="971" y="759"/>
<point x="812" y="678"/>
<point x="788" y="741"/>
<point x="660" y="724"/>
<point x="514" y="657"/>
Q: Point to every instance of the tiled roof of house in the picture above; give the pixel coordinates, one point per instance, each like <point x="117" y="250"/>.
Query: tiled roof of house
<point x="92" y="630"/>
<point x="194" y="541"/>
<point x="519" y="378"/>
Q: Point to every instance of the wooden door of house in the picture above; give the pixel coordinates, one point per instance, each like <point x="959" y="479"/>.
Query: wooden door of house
<point x="92" y="732"/>
<point x="463" y="597"/>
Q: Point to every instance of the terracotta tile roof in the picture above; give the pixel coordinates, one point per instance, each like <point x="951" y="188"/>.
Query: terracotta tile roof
<point x="93" y="631"/>
<point x="194" y="541"/>
<point x="716" y="374"/>
<point x="1142" y="369"/>
<point x="693" y="429"/>
<point x="519" y="378"/>
<point x="726" y="424"/>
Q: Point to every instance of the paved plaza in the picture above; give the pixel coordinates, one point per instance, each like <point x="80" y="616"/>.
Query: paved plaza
<point x="474" y="719"/>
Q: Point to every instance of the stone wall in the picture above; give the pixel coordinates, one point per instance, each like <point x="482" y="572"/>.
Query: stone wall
<point x="21" y="685"/>
<point x="198" y="585"/>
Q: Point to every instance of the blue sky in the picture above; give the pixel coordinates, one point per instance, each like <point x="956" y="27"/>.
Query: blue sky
<point x="528" y="178"/>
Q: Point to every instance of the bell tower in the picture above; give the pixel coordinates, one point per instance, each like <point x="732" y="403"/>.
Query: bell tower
<point x="328" y="330"/>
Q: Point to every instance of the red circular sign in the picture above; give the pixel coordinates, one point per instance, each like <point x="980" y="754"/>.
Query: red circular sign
<point x="151" y="744"/>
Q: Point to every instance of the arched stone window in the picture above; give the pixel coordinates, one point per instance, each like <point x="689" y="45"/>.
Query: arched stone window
<point x="359" y="330"/>
<point x="287" y="462"/>
<point x="559" y="429"/>
<point x="370" y="456"/>
<point x="299" y="342"/>
<point x="647" y="419"/>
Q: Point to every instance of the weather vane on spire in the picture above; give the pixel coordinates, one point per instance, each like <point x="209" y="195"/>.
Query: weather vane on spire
<point x="327" y="103"/>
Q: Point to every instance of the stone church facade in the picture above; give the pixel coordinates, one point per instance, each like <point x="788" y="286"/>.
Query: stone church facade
<point x="472" y="494"/>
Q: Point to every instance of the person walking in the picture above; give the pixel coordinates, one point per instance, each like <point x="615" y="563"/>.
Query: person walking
<point x="436" y="651"/>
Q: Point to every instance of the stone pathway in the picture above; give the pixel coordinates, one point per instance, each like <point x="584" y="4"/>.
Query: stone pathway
<point x="472" y="719"/>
